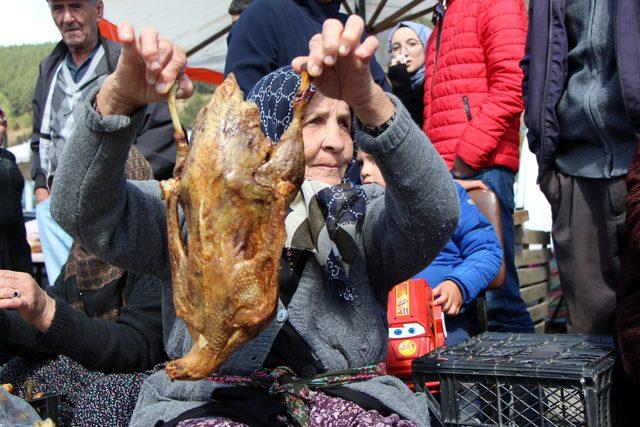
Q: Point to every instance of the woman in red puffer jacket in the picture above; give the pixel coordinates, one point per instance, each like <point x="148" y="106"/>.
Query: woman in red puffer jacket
<point x="472" y="107"/>
<point x="472" y="94"/>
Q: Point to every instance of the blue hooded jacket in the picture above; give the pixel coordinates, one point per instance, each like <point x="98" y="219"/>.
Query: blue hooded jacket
<point x="472" y="257"/>
<point x="271" y="33"/>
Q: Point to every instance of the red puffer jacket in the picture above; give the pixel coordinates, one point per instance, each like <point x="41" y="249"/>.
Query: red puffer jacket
<point x="472" y="95"/>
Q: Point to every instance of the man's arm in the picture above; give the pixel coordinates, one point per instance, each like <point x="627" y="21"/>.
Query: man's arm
<point x="502" y="27"/>
<point x="37" y="173"/>
<point x="155" y="140"/>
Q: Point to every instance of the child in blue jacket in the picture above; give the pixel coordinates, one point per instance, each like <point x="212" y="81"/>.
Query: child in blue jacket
<point x="466" y="264"/>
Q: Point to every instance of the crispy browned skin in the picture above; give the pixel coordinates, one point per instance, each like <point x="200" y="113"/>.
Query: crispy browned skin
<point x="234" y="186"/>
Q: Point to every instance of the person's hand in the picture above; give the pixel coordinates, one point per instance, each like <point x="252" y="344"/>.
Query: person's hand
<point x="146" y="71"/>
<point x="399" y="59"/>
<point x="461" y="169"/>
<point x="472" y="184"/>
<point x="449" y="296"/>
<point x="20" y="292"/>
<point x="41" y="194"/>
<point x="339" y="64"/>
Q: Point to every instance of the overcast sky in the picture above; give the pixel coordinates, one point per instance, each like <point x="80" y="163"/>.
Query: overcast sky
<point x="26" y="21"/>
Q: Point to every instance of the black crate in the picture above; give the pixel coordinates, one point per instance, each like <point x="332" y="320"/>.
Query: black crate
<point x="47" y="407"/>
<point x="498" y="379"/>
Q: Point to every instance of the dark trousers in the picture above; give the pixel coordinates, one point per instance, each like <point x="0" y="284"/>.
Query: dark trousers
<point x="588" y="238"/>
<point x="506" y="310"/>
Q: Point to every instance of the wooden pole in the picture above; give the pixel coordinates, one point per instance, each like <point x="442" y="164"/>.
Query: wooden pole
<point x="208" y="41"/>
<point x="396" y="14"/>
<point x="376" y="13"/>
<point x="386" y="25"/>
<point x="345" y="3"/>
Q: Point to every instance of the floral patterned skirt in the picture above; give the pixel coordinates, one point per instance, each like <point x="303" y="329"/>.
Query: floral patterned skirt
<point x="87" y="398"/>
<point x="326" y="411"/>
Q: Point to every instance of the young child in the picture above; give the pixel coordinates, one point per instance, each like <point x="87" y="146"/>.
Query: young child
<point x="466" y="264"/>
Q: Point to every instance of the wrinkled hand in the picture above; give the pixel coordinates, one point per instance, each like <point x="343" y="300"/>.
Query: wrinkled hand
<point x="147" y="68"/>
<point x="339" y="64"/>
<point x="449" y="296"/>
<point x="472" y="184"/>
<point x="20" y="292"/>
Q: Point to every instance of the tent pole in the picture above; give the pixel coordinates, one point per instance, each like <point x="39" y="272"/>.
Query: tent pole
<point x="393" y="16"/>
<point x="208" y="41"/>
<point x="376" y="13"/>
<point x="361" y="10"/>
<point x="386" y="25"/>
<point x="345" y="3"/>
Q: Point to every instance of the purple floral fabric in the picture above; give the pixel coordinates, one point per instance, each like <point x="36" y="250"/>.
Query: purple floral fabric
<point x="326" y="411"/>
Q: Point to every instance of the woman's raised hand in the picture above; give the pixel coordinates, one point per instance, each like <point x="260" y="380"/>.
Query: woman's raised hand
<point x="339" y="64"/>
<point x="147" y="68"/>
<point x="18" y="291"/>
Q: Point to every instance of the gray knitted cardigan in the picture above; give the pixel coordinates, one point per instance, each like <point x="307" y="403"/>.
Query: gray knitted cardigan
<point x="124" y="223"/>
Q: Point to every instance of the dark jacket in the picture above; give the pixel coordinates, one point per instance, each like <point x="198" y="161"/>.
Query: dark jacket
<point x="130" y="343"/>
<point x="472" y="257"/>
<point x="155" y="138"/>
<point x="545" y="69"/>
<point x="411" y="98"/>
<point x="271" y="33"/>
<point x="628" y="291"/>
<point x="15" y="253"/>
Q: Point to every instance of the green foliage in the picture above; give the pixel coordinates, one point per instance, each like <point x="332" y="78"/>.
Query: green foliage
<point x="19" y="72"/>
<point x="188" y="109"/>
<point x="18" y="75"/>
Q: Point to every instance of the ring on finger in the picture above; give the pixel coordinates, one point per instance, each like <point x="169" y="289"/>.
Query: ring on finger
<point x="15" y="294"/>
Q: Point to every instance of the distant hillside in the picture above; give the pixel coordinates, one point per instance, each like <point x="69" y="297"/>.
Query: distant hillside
<point x="18" y="75"/>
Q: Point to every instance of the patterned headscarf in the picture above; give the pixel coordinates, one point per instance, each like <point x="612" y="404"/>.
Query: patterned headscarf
<point x="423" y="32"/>
<point x="323" y="219"/>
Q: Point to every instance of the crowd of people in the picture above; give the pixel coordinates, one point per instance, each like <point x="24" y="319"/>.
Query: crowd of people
<point x="404" y="149"/>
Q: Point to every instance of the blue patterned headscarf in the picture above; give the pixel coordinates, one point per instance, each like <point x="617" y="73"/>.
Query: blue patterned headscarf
<point x="274" y="95"/>
<point x="341" y="207"/>
<point x="423" y="32"/>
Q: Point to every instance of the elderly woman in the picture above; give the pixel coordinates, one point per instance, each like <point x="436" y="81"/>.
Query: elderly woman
<point x="97" y="320"/>
<point x="331" y="327"/>
<point x="15" y="253"/>
<point x="406" y="44"/>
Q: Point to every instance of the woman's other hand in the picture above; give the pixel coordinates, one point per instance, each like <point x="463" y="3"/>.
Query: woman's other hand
<point x="472" y="184"/>
<point x="20" y="292"/>
<point x="449" y="296"/>
<point x="339" y="64"/>
<point x="147" y="68"/>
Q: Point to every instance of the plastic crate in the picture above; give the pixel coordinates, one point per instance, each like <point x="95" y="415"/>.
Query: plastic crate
<point x="498" y="379"/>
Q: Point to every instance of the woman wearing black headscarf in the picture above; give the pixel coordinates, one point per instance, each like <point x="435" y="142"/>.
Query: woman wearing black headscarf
<point x="15" y="253"/>
<point x="346" y="247"/>
<point x="96" y="320"/>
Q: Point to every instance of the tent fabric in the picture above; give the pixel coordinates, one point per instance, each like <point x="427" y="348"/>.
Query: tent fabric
<point x="190" y="22"/>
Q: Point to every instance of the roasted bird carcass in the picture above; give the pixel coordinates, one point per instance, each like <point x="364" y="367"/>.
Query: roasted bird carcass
<point x="234" y="186"/>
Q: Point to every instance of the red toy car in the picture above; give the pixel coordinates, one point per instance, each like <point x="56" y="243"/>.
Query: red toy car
<point x="416" y="327"/>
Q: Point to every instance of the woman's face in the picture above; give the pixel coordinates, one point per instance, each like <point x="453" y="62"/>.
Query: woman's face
<point x="328" y="147"/>
<point x="406" y="42"/>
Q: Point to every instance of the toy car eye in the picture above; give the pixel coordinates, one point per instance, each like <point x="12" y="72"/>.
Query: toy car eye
<point x="412" y="330"/>
<point x="398" y="332"/>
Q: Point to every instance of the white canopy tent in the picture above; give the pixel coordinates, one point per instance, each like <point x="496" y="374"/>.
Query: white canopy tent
<point x="200" y="26"/>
